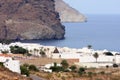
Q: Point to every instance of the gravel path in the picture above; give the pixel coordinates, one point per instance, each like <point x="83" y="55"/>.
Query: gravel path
<point x="34" y="77"/>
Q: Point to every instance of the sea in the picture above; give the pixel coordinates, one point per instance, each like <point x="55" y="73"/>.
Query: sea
<point x="99" y="31"/>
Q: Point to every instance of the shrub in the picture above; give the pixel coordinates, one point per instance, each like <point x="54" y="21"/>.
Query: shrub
<point x="107" y="66"/>
<point x="64" y="64"/>
<point x="90" y="74"/>
<point x="108" y="53"/>
<point x="102" y="72"/>
<point x="115" y="65"/>
<point x="24" y="70"/>
<point x="57" y="68"/>
<point x="33" y="68"/>
<point x="5" y="52"/>
<point x="81" y="71"/>
<point x="1" y="64"/>
<point x="73" y="67"/>
<point x="26" y="65"/>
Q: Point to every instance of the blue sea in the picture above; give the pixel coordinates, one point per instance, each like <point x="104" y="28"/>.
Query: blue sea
<point x="100" y="31"/>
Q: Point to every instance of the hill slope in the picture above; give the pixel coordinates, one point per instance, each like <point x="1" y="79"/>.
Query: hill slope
<point x="6" y="74"/>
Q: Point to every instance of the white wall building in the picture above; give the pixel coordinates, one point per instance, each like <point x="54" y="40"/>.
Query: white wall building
<point x="13" y="65"/>
<point x="101" y="58"/>
<point x="65" y="55"/>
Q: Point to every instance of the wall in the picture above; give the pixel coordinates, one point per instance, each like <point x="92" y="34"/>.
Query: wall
<point x="101" y="58"/>
<point x="13" y="65"/>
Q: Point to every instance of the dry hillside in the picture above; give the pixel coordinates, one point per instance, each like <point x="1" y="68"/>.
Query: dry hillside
<point x="6" y="74"/>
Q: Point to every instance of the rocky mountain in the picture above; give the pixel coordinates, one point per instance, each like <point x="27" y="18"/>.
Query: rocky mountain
<point x="30" y="19"/>
<point x="67" y="13"/>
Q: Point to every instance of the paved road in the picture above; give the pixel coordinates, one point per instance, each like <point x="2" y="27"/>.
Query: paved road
<point x="34" y="77"/>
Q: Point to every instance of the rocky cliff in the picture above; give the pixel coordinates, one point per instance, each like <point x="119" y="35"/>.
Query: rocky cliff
<point x="29" y="19"/>
<point x="67" y="13"/>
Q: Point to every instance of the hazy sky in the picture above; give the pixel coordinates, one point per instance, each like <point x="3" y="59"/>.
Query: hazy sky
<point x="96" y="6"/>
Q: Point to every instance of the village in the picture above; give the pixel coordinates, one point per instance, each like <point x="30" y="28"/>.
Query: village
<point x="85" y="57"/>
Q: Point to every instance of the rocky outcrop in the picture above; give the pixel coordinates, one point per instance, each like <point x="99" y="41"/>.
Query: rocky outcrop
<point x="29" y="19"/>
<point x="67" y="13"/>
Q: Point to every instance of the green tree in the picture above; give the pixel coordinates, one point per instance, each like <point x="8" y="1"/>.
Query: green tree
<point x="64" y="64"/>
<point x="18" y="50"/>
<point x="24" y="70"/>
<point x="96" y="56"/>
<point x="81" y="70"/>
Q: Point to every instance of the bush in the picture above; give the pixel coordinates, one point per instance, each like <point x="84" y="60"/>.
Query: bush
<point x="73" y="68"/>
<point x="102" y="72"/>
<point x="1" y="64"/>
<point x="33" y="68"/>
<point x="81" y="71"/>
<point x="107" y="66"/>
<point x="5" y="52"/>
<point x="90" y="74"/>
<point x="108" y="53"/>
<point x="115" y="65"/>
<point x="57" y="68"/>
<point x="26" y="65"/>
<point x="24" y="70"/>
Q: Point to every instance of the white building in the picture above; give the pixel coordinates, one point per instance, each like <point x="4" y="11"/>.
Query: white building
<point x="4" y="47"/>
<point x="88" y="60"/>
<point x="13" y="65"/>
<point x="101" y="58"/>
<point x="65" y="55"/>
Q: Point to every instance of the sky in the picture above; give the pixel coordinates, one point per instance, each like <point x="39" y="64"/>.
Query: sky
<point x="96" y="6"/>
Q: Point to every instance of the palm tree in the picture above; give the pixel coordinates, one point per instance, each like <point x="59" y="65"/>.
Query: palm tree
<point x="89" y="46"/>
<point x="35" y="51"/>
<point x="96" y="56"/>
<point x="42" y="53"/>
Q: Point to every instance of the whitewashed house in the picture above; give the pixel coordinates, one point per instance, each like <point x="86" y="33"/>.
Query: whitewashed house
<point x="102" y="61"/>
<point x="8" y="62"/>
<point x="66" y="55"/>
